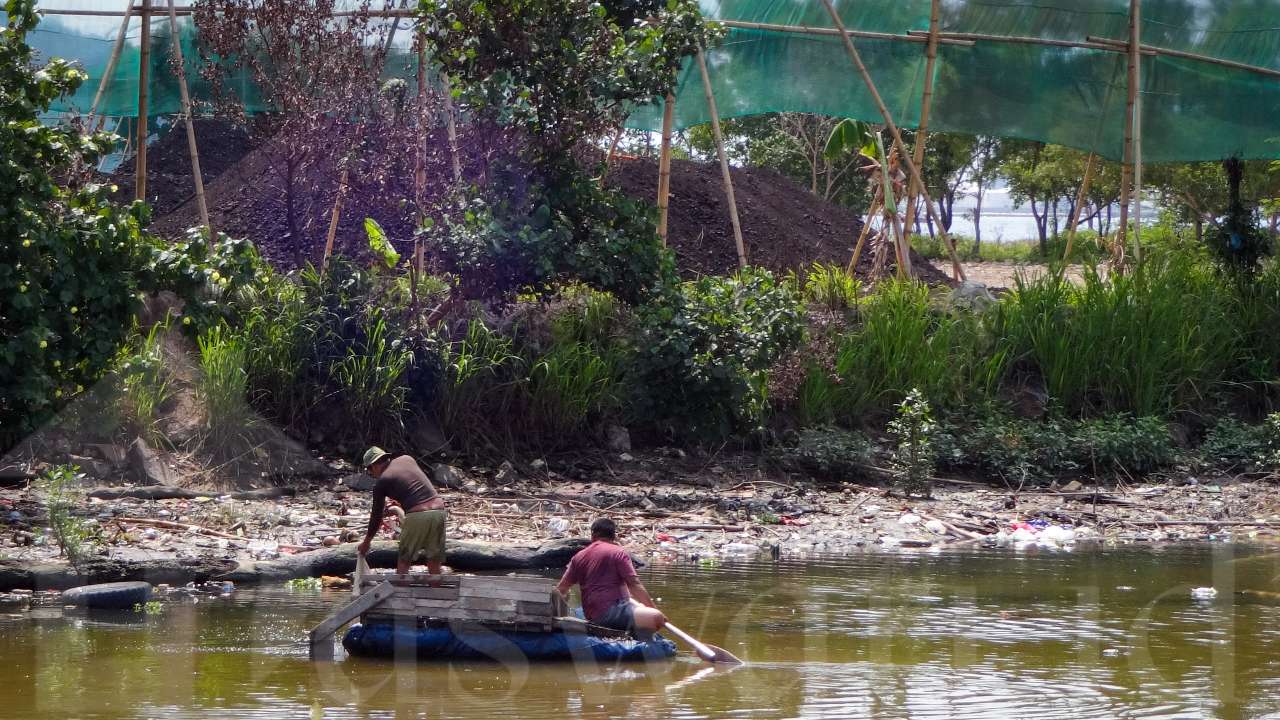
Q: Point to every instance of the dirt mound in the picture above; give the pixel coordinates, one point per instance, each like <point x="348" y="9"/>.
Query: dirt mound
<point x="169" y="183"/>
<point x="784" y="226"/>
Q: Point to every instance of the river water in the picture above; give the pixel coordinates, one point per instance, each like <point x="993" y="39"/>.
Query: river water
<point x="977" y="634"/>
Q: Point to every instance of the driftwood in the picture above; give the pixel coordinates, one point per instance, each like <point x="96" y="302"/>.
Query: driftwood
<point x="59" y="576"/>
<point x="166" y="492"/>
<point x="462" y="556"/>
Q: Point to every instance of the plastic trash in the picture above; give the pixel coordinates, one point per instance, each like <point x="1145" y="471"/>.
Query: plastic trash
<point x="909" y="519"/>
<point x="1058" y="535"/>
<point x="557" y="526"/>
<point x="740" y="549"/>
<point x="936" y="527"/>
<point x="1204" y="593"/>
<point x="1022" y="535"/>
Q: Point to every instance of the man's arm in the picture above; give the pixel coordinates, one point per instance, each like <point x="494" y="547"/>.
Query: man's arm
<point x="375" y="518"/>
<point x="636" y="588"/>
<point x="567" y="581"/>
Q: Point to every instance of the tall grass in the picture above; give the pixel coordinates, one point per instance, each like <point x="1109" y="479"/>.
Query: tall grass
<point x="279" y="335"/>
<point x="480" y="388"/>
<point x="902" y="342"/>
<point x="1150" y="342"/>
<point x="371" y="391"/>
<point x="831" y="287"/>
<point x="223" y="391"/>
<point x="567" y="387"/>
<point x="147" y="384"/>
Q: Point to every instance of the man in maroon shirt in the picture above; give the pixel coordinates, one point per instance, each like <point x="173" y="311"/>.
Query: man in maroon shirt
<point x="612" y="594"/>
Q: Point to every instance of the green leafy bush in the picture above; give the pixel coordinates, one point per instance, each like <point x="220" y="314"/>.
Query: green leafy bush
<point x="222" y="387"/>
<point x="572" y="231"/>
<point x="701" y="353"/>
<point x="1126" y="444"/>
<point x="914" y="457"/>
<point x="58" y="489"/>
<point x="72" y="265"/>
<point x="1233" y="445"/>
<point x="828" y="452"/>
<point x="831" y="287"/>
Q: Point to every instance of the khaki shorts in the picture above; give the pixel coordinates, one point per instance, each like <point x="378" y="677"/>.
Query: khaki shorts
<point x="422" y="534"/>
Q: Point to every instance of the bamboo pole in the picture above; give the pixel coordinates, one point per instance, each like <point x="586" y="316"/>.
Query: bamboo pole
<point x="926" y="102"/>
<point x="1135" y="41"/>
<point x="724" y="161"/>
<point x="1123" y="45"/>
<point x="810" y="30"/>
<point x="664" y="167"/>
<point x="192" y="149"/>
<point x="862" y="236"/>
<point x="144" y="60"/>
<point x="451" y="128"/>
<point x="1075" y="212"/>
<point x="1126" y="175"/>
<point x="110" y="70"/>
<point x="897" y="134"/>
<point x="336" y="214"/>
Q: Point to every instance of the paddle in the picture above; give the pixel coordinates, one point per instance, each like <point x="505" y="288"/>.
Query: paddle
<point x="710" y="653"/>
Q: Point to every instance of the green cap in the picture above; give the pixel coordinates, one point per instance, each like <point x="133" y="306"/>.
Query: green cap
<point x="373" y="455"/>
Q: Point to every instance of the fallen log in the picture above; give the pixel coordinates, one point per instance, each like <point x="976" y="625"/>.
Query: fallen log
<point x="59" y="576"/>
<point x="461" y="556"/>
<point x="170" y="525"/>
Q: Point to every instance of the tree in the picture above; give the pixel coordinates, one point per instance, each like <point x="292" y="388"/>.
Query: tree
<point x="72" y="265"/>
<point x="319" y="71"/>
<point x="557" y="76"/>
<point x="791" y="144"/>
<point x="561" y="71"/>
<point x="986" y="169"/>
<point x="1043" y="176"/>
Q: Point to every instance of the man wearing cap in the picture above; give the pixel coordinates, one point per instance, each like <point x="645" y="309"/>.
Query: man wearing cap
<point x="422" y="530"/>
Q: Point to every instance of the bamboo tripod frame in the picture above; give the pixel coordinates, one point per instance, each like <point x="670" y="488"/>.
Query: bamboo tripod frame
<point x="144" y="62"/>
<point x="1132" y="132"/>
<point x="912" y="168"/>
<point x="724" y="161"/>
<point x="192" y="150"/>
<point x="926" y="104"/>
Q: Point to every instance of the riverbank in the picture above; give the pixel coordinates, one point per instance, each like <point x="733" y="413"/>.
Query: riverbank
<point x="670" y="507"/>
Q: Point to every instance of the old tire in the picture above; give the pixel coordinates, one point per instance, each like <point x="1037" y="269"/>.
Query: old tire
<point x="109" y="596"/>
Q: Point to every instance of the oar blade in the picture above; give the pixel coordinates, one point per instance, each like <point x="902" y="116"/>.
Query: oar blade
<point x="720" y="655"/>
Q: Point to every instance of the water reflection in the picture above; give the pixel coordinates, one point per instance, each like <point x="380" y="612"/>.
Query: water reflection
<point x="982" y="634"/>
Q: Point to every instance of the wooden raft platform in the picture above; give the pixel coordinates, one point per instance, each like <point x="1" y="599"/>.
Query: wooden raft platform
<point x="503" y="602"/>
<point x="528" y="602"/>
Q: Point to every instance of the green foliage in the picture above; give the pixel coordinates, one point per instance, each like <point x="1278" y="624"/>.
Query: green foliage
<point x="308" y="584"/>
<point x="1006" y="447"/>
<point x="914" y="456"/>
<point x="58" y="489"/>
<point x="482" y="373"/>
<point x="831" y="287"/>
<point x="1126" y="444"/>
<point x="573" y="230"/>
<point x="223" y="391"/>
<point x="72" y="266"/>
<point x="569" y="386"/>
<point x="701" y="354"/>
<point x="379" y="245"/>
<point x="1232" y="445"/>
<point x="1150" y="342"/>
<point x="828" y="452"/>
<point x="370" y="381"/>
<point x="150" y="607"/>
<point x="147" y="383"/>
<point x="1018" y="450"/>
<point x="903" y="342"/>
<point x="561" y="71"/>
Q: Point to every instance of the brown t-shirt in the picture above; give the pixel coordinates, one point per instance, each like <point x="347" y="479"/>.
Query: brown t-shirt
<point x="402" y="481"/>
<point x="602" y="570"/>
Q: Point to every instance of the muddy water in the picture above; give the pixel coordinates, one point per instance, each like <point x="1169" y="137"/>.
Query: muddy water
<point x="979" y="634"/>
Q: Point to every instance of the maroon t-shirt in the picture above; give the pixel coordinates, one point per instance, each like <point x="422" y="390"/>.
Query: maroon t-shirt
<point x="602" y="570"/>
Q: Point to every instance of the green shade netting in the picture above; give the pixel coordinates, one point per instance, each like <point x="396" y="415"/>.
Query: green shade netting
<point x="1192" y="110"/>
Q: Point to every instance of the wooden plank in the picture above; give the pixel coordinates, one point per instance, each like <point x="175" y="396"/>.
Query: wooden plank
<point x="506" y="593"/>
<point x="321" y="636"/>
<point x="509" y="580"/>
<point x="462" y="614"/>
<point x="429" y="593"/>
<point x="535" y="608"/>
<point x="410" y="580"/>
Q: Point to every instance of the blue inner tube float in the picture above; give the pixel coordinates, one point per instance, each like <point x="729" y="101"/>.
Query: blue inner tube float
<point x="434" y="642"/>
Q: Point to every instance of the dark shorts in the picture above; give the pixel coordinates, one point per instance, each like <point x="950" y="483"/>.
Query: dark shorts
<point x="619" y="616"/>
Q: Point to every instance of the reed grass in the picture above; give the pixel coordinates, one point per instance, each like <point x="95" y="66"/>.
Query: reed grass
<point x="147" y="384"/>
<point x="223" y="392"/>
